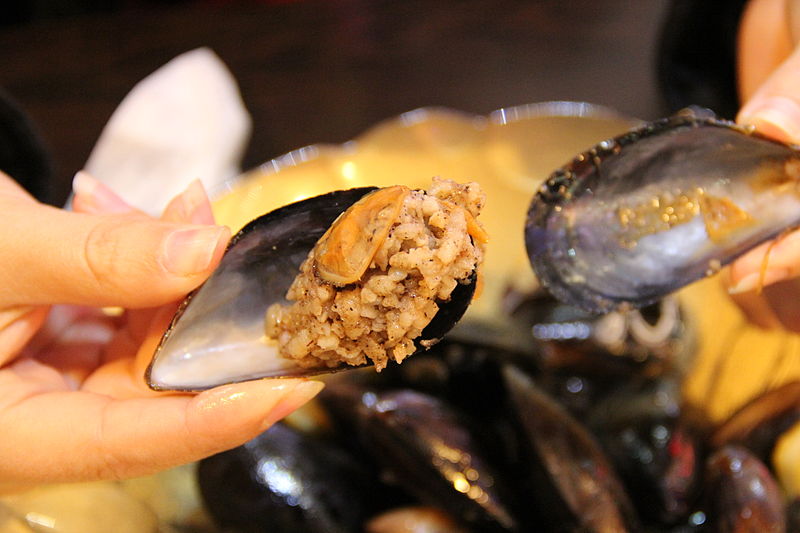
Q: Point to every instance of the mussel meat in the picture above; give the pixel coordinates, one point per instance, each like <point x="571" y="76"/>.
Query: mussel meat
<point x="644" y="214"/>
<point x="220" y="332"/>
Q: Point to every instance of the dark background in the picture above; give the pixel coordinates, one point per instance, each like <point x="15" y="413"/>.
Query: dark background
<point x="324" y="71"/>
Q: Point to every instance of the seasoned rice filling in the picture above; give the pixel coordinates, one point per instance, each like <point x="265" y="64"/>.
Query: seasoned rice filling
<point x="433" y="242"/>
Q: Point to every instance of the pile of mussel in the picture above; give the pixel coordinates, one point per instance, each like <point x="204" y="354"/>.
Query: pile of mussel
<point x="585" y="431"/>
<point x="580" y="423"/>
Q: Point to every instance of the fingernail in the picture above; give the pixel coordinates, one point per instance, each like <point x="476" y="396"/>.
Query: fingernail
<point x="191" y="251"/>
<point x="776" y="116"/>
<point x="13" y="314"/>
<point x="194" y="206"/>
<point x="758" y="280"/>
<point x="295" y="398"/>
<point x="96" y="197"/>
<point x="198" y="206"/>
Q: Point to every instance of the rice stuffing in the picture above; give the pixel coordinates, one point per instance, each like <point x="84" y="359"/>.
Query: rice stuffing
<point x="433" y="242"/>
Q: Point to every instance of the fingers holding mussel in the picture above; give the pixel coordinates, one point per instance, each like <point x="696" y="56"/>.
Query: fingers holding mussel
<point x="641" y="215"/>
<point x="351" y="278"/>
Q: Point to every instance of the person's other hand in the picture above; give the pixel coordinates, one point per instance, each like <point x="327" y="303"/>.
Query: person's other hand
<point x="73" y="403"/>
<point x="769" y="84"/>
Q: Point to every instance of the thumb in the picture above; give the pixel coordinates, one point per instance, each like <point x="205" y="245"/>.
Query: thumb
<point x="128" y="259"/>
<point x="774" y="109"/>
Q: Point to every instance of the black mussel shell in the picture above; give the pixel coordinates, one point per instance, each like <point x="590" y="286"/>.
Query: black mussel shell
<point x="573" y="483"/>
<point x="793" y="516"/>
<point x="742" y="494"/>
<point x="655" y="443"/>
<point x="760" y="423"/>
<point x="432" y="451"/>
<point x="466" y="375"/>
<point x="216" y="337"/>
<point x="287" y="481"/>
<point x="644" y="214"/>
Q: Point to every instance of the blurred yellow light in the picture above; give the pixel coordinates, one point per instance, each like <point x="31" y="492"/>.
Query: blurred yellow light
<point x="461" y="484"/>
<point x="300" y="197"/>
<point x="349" y="170"/>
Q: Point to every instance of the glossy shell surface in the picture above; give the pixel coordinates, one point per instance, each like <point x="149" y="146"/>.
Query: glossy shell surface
<point x="644" y="214"/>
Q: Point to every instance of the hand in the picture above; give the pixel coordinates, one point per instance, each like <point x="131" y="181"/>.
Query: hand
<point x="73" y="403"/>
<point x="769" y="78"/>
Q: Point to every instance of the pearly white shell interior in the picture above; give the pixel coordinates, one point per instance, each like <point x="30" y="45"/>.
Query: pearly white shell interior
<point x="219" y="337"/>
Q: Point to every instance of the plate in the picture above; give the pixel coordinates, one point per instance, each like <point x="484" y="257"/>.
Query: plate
<point x="509" y="152"/>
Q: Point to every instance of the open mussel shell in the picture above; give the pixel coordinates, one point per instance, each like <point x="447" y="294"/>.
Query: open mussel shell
<point x="644" y="214"/>
<point x="217" y="335"/>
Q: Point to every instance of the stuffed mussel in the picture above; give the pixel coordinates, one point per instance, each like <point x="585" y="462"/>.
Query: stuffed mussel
<point x="641" y="215"/>
<point x="383" y="273"/>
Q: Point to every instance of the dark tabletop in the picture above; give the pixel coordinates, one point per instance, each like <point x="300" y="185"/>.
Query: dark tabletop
<point x="324" y="71"/>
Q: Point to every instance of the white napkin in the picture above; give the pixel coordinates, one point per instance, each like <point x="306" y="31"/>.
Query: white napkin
<point x="183" y="122"/>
